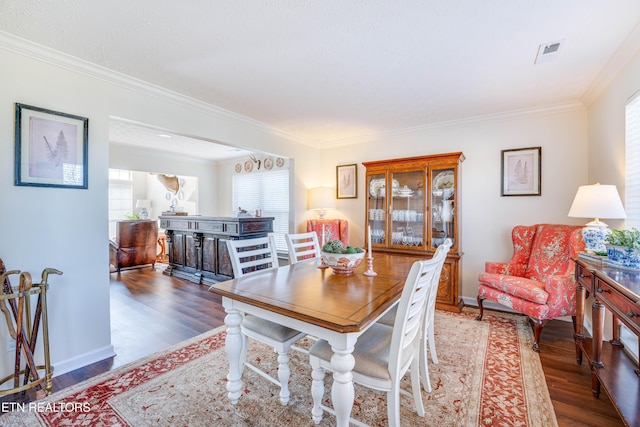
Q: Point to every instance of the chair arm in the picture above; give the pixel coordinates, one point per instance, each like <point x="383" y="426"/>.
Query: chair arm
<point x="562" y="295"/>
<point x="509" y="268"/>
<point x="113" y="253"/>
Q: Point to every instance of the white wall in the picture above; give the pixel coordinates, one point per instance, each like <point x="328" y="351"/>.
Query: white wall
<point x="606" y="131"/>
<point x="67" y="229"/>
<point x="144" y="160"/>
<point x="486" y="217"/>
<point x="606" y="134"/>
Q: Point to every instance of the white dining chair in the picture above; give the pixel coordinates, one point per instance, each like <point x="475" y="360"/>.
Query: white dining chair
<point x="303" y="247"/>
<point x="428" y="331"/>
<point x="383" y="354"/>
<point x="253" y="256"/>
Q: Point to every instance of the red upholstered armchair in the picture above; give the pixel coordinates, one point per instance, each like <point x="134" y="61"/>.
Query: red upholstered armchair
<point x="539" y="280"/>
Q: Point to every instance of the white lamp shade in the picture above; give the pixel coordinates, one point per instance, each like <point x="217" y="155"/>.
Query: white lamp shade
<point x="322" y="198"/>
<point x="143" y="203"/>
<point x="597" y="201"/>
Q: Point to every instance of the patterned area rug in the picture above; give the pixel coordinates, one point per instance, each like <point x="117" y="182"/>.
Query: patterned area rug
<point x="487" y="376"/>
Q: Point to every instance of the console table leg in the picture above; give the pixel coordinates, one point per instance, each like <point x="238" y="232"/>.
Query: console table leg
<point x="595" y="383"/>
<point x="578" y="321"/>
<point x="598" y="322"/>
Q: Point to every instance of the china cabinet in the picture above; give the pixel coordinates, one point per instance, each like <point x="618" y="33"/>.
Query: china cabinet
<point x="412" y="206"/>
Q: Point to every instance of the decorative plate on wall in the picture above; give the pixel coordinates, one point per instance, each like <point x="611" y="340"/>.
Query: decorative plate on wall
<point x="248" y="166"/>
<point x="268" y="163"/>
<point x="279" y="162"/>
<point x="238" y="168"/>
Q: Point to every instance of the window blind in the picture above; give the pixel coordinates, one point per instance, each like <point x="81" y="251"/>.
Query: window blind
<point x="120" y="197"/>
<point x="268" y="191"/>
<point x="632" y="193"/>
<point x="632" y="162"/>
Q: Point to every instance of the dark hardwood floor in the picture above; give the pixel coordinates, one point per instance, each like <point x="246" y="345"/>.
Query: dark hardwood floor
<point x="150" y="311"/>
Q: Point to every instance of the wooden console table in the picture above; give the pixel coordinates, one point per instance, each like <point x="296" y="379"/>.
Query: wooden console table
<point x="197" y="248"/>
<point x="618" y="291"/>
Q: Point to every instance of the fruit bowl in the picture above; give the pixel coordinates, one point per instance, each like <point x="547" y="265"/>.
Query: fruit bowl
<point x="342" y="263"/>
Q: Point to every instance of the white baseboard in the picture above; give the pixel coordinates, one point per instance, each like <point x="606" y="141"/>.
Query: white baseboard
<point x="490" y="305"/>
<point x="473" y="302"/>
<point x="68" y="365"/>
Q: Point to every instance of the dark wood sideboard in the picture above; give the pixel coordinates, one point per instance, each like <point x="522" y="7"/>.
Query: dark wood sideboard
<point x="618" y="291"/>
<point x="197" y="246"/>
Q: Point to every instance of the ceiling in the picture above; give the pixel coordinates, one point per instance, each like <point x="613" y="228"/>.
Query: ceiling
<point x="333" y="71"/>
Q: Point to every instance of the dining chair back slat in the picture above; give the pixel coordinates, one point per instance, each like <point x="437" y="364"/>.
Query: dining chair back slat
<point x="249" y="255"/>
<point x="302" y="247"/>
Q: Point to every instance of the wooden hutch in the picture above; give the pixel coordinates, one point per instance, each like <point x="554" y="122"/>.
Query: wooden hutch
<point x="197" y="246"/>
<point x="412" y="206"/>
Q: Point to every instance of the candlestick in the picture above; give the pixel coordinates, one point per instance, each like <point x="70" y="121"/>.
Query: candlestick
<point x="369" y="239"/>
<point x="370" y="271"/>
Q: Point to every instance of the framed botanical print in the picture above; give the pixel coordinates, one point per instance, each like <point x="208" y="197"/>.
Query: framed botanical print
<point x="522" y="172"/>
<point x="347" y="181"/>
<point x="51" y="148"/>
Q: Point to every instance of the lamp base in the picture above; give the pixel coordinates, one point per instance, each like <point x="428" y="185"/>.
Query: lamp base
<point x="143" y="214"/>
<point x="593" y="235"/>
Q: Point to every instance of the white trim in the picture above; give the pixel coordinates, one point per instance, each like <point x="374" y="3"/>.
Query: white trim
<point x="63" y="60"/>
<point x="489" y="305"/>
<point x="83" y="360"/>
<point x="536" y="111"/>
<point x="57" y="58"/>
<point x="627" y="50"/>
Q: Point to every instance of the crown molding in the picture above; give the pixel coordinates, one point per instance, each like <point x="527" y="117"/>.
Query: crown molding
<point x="74" y="64"/>
<point x="60" y="59"/>
<point x="514" y="114"/>
<point x="621" y="57"/>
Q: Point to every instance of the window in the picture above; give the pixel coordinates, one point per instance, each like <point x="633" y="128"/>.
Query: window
<point x="120" y="197"/>
<point x="632" y="190"/>
<point x="268" y="191"/>
<point x="632" y="159"/>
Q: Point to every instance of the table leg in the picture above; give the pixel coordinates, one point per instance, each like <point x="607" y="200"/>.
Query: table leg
<point x="581" y="299"/>
<point x="233" y="346"/>
<point x="342" y="393"/>
<point x="597" y="310"/>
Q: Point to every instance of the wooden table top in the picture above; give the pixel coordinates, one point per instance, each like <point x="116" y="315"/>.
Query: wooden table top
<point x="342" y="303"/>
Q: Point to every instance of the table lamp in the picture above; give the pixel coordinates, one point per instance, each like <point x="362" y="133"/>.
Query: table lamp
<point x="596" y="201"/>
<point x="321" y="199"/>
<point x="143" y="204"/>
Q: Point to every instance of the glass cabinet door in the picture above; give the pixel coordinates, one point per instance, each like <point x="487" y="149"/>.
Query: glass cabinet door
<point x="376" y="193"/>
<point x="443" y="205"/>
<point x="407" y="210"/>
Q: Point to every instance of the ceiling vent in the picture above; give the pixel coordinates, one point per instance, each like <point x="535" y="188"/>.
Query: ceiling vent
<point x="548" y="52"/>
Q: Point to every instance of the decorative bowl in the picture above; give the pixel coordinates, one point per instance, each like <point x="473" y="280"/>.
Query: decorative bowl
<point x="342" y="263"/>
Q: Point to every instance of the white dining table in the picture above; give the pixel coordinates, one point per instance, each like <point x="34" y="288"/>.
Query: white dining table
<point x="335" y="307"/>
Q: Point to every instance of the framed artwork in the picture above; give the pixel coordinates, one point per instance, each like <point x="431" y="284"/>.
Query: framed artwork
<point x="521" y="172"/>
<point x="347" y="181"/>
<point x="51" y="148"/>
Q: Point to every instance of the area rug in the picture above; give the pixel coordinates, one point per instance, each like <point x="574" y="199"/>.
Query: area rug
<point x="488" y="375"/>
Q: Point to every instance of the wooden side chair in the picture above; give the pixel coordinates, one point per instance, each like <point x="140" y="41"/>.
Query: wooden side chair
<point x="258" y="256"/>
<point x="302" y="247"/>
<point x="428" y="328"/>
<point x="383" y="354"/>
